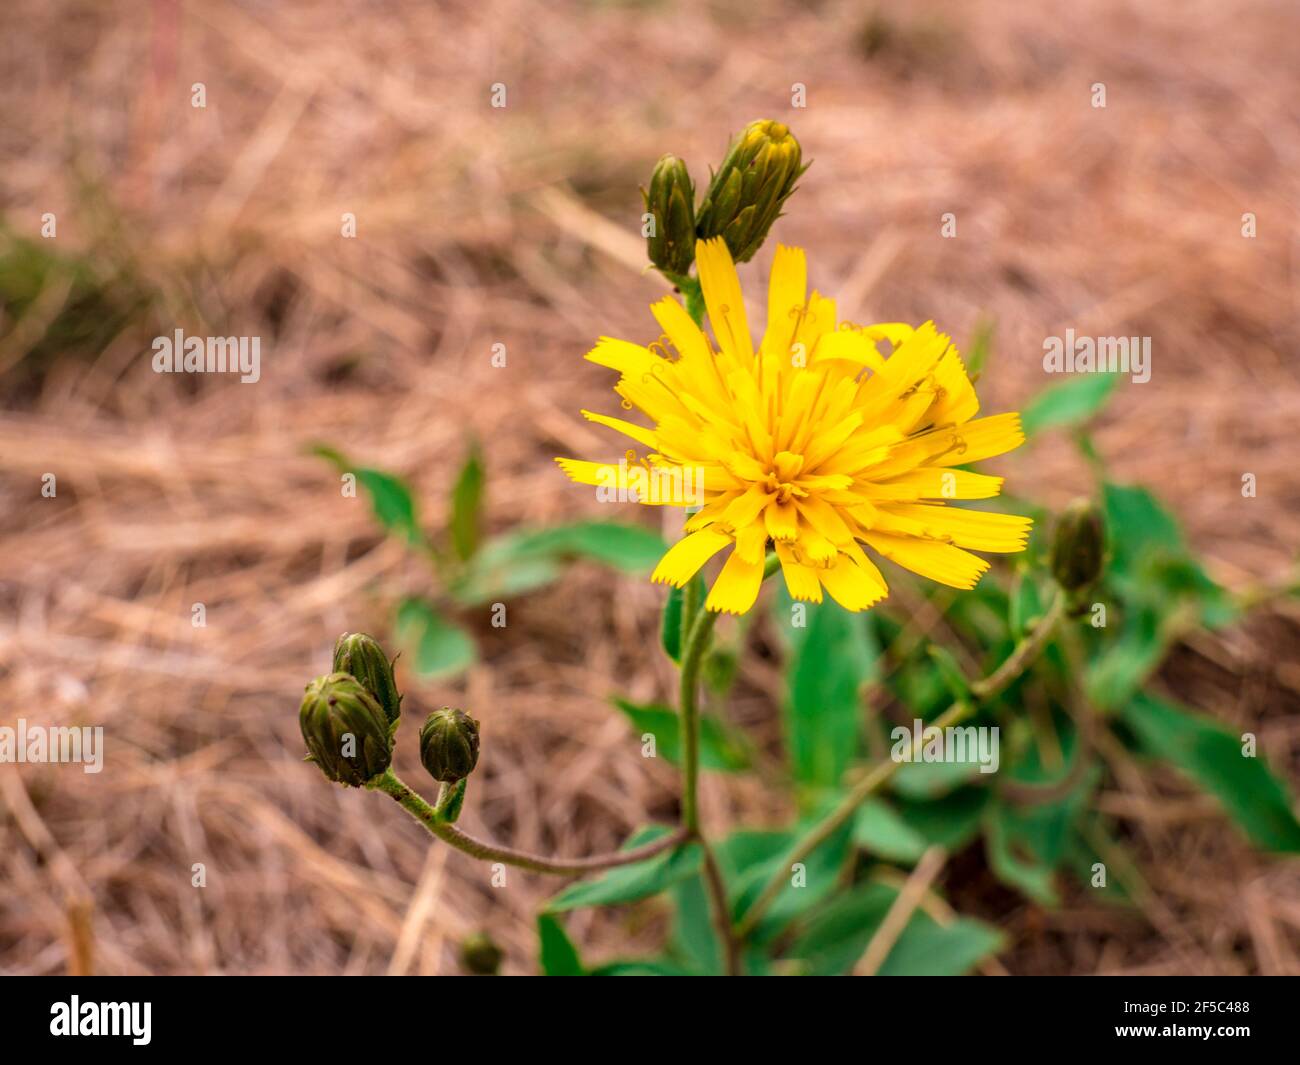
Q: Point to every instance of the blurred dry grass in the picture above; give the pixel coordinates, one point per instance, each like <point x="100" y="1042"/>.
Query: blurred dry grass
<point x="475" y="226"/>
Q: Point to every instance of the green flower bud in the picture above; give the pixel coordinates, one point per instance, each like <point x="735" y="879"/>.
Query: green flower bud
<point x="1079" y="550"/>
<point x="480" y="955"/>
<point x="671" y="201"/>
<point x="449" y="745"/>
<point x="360" y="655"/>
<point x="345" y="729"/>
<point x="755" y="179"/>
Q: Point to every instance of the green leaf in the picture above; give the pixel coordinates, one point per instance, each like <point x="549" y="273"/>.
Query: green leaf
<point x="628" y="883"/>
<point x="694" y="937"/>
<point x="931" y="780"/>
<point x="393" y="503"/>
<point x="455" y="801"/>
<point x="643" y="967"/>
<point x="832" y="658"/>
<point x="878" y="829"/>
<point x="436" y="647"/>
<point x="1027" y="842"/>
<point x="1212" y="756"/>
<point x="927" y="948"/>
<point x="492" y="575"/>
<point x="1117" y="671"/>
<point x="629" y="548"/>
<point x="1150" y="560"/>
<point x="391" y="498"/>
<point x="951" y="822"/>
<point x="836" y="937"/>
<point x="530" y="558"/>
<point x="840" y="933"/>
<point x="802" y="889"/>
<point x="1014" y="862"/>
<point x="719" y="749"/>
<point x="670" y="626"/>
<point x="467" y="505"/>
<point x="1068" y="403"/>
<point x="559" y="957"/>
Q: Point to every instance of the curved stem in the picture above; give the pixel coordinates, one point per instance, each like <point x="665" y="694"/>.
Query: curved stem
<point x="417" y="807"/>
<point x="1023" y="656"/>
<point x="1016" y="663"/>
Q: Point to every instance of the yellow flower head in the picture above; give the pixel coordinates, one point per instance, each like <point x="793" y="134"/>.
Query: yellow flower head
<point x="814" y="442"/>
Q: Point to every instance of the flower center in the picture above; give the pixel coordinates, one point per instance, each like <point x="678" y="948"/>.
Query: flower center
<point x="780" y="477"/>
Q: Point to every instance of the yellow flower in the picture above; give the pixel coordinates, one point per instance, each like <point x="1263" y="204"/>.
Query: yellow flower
<point x="815" y="442"/>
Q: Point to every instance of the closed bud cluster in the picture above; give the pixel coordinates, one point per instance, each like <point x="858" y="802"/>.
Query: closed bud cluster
<point x="345" y="729"/>
<point x="746" y="194"/>
<point x="671" y="202"/>
<point x="1079" y="551"/>
<point x="362" y="657"/>
<point x="480" y="955"/>
<point x="449" y="745"/>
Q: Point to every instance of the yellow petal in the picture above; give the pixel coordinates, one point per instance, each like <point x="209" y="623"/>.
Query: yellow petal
<point x="683" y="560"/>
<point x="940" y="562"/>
<point x="746" y="509"/>
<point x="894" y="332"/>
<point x="848" y="345"/>
<point x="800" y="580"/>
<point x="619" y="482"/>
<point x="724" y="298"/>
<point x="957" y="402"/>
<point x="850" y="586"/>
<point x="786" y="292"/>
<point x="825" y="519"/>
<point x="976" y="529"/>
<point x="680" y="328"/>
<point x="737" y="585"/>
<point x="935" y="482"/>
<point x="751" y="542"/>
<point x="639" y="433"/>
<point x="982" y="439"/>
<point x="622" y="355"/>
<point x="781" y="520"/>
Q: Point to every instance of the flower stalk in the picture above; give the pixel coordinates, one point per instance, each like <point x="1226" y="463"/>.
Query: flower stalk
<point x="429" y="816"/>
<point x="697" y="644"/>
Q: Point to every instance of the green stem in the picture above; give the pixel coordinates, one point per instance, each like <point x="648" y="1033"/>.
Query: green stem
<point x="429" y="817"/>
<point x="697" y="643"/>
<point x="693" y="297"/>
<point x="1024" y="654"/>
<point x="719" y="909"/>
<point x="1016" y="663"/>
<point x="692" y="601"/>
